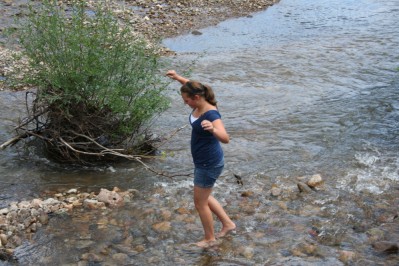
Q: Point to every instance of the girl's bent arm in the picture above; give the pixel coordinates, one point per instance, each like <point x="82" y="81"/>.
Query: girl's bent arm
<point x="217" y="129"/>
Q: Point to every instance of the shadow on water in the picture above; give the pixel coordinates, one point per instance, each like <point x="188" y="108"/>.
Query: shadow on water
<point x="304" y="88"/>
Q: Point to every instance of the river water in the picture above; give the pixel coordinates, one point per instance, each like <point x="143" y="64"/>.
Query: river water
<point x="304" y="88"/>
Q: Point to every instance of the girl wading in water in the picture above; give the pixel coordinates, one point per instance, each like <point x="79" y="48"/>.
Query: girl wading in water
<point x="207" y="133"/>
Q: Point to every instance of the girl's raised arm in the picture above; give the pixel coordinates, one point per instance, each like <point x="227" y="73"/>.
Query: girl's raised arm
<point x="173" y="75"/>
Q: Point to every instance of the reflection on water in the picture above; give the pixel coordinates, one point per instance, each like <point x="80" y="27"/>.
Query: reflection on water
<point x="305" y="87"/>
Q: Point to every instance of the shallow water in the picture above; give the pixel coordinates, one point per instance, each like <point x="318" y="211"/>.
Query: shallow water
<point x="306" y="87"/>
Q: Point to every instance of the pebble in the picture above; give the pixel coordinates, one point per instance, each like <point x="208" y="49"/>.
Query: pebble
<point x="91" y="257"/>
<point x="162" y="226"/>
<point x="247" y="194"/>
<point x="3" y="239"/>
<point x="275" y="191"/>
<point x="304" y="188"/>
<point x="248" y="252"/>
<point x="346" y="256"/>
<point x="120" y="258"/>
<point x="315" y="181"/>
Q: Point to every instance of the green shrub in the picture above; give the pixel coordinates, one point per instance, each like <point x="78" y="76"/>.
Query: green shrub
<point x="94" y="77"/>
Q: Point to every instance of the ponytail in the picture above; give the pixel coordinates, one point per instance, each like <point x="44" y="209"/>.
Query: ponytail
<point x="209" y="95"/>
<point x="192" y="88"/>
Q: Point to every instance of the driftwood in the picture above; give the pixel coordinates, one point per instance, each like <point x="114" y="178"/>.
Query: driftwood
<point x="12" y="141"/>
<point x="103" y="150"/>
<point x="82" y="136"/>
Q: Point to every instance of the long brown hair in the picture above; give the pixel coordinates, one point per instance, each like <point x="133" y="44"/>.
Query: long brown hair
<point x="192" y="88"/>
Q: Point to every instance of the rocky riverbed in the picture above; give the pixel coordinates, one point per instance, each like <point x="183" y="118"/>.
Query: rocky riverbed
<point x="127" y="227"/>
<point x="20" y="220"/>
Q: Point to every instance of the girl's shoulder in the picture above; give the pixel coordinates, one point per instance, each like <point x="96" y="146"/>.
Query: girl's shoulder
<point x="212" y="115"/>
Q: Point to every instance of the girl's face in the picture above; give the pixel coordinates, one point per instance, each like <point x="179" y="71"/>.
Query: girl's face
<point x="192" y="102"/>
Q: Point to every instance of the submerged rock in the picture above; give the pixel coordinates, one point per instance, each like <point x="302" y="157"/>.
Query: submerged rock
<point x="275" y="191"/>
<point x="347" y="256"/>
<point x="111" y="198"/>
<point x="315" y="181"/>
<point x="247" y="193"/>
<point x="304" y="188"/>
<point x="386" y="247"/>
<point x="162" y="226"/>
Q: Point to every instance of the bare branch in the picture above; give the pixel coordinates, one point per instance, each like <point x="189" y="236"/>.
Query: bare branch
<point x="13" y="141"/>
<point x="115" y="153"/>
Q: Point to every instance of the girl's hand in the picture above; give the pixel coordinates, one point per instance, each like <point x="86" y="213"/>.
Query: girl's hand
<point x="217" y="129"/>
<point x="207" y="125"/>
<point x="171" y="74"/>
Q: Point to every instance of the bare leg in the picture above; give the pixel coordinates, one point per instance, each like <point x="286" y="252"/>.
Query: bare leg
<point x="201" y="196"/>
<point x="227" y="224"/>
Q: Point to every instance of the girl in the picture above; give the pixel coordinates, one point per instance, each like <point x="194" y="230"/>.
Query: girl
<point x="207" y="133"/>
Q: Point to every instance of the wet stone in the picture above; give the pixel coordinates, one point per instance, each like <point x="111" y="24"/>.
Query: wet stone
<point x="120" y="258"/>
<point x="196" y="32"/>
<point x="386" y="247"/>
<point x="304" y="188"/>
<point x="128" y="241"/>
<point x="248" y="252"/>
<point x="347" y="256"/>
<point x="182" y="210"/>
<point x="275" y="191"/>
<point x="247" y="194"/>
<point x="166" y="214"/>
<point x="43" y="218"/>
<point x="12" y="215"/>
<point x="36" y="203"/>
<point x="375" y="234"/>
<point x="314" y="181"/>
<point x="3" y="239"/>
<point x="111" y="198"/>
<point x="139" y="248"/>
<point x="282" y="205"/>
<point x="72" y="191"/>
<point x="92" y="257"/>
<point x="14" y="241"/>
<point x="162" y="227"/>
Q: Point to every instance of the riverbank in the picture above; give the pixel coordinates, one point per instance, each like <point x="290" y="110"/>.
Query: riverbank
<point x="155" y="20"/>
<point x="158" y="18"/>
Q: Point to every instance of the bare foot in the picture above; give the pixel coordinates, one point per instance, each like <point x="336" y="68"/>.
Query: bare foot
<point x="226" y="230"/>
<point x="206" y="243"/>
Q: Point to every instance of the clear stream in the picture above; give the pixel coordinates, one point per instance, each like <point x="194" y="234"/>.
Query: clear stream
<point x="305" y="87"/>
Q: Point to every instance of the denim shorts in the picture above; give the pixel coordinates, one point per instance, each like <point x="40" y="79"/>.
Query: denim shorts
<point x="206" y="177"/>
